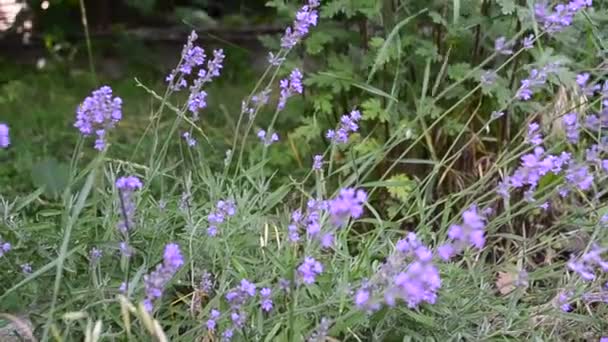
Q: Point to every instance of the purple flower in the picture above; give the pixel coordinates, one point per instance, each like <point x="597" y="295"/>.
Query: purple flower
<point x="500" y="46"/>
<point x="306" y="17"/>
<point x="362" y="297"/>
<point x="536" y="79"/>
<point x="227" y="335"/>
<point x="562" y="301"/>
<point x="189" y="139"/>
<point x="562" y="15"/>
<point x="587" y="264"/>
<point x="446" y="251"/>
<point x="211" y="322"/>
<point x="309" y="270"/>
<point x="348" y="124"/>
<point x="222" y="210"/>
<point x="327" y="240"/>
<point x="470" y="232"/>
<point x="290" y="86"/>
<point x="572" y="127"/>
<point x="488" y="78"/>
<point x="320" y="333"/>
<point x="528" y="42"/>
<point x="125" y="249"/>
<point x="5" y="140"/>
<point x="126" y="186"/>
<point x="534" y="137"/>
<point x="5" y="247"/>
<point x="156" y="281"/>
<point x="194" y="57"/>
<point x="317" y="163"/>
<point x="98" y="113"/>
<point x="579" y="176"/>
<point x="588" y="90"/>
<point x="95" y="254"/>
<point x="349" y="203"/>
<point x="266" y="303"/>
<point x="26" y="268"/>
<point x="267" y="140"/>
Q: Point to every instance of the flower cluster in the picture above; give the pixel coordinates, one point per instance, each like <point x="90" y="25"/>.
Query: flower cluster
<point x="408" y="275"/>
<point x="587" y="264"/>
<point x="126" y="187"/>
<point x="561" y="16"/>
<point x="528" y="42"/>
<point x="26" y="268"/>
<point x="501" y="47"/>
<point x="189" y="139"/>
<point x="98" y="113"/>
<point x="348" y="124"/>
<point x="289" y="86"/>
<point x="317" y="162"/>
<point x="257" y="101"/>
<point x="533" y="167"/>
<point x="266" y="302"/>
<point x="309" y="269"/>
<point x="348" y="203"/>
<point x="310" y="220"/>
<point x="572" y="127"/>
<point x="236" y="298"/>
<point x="536" y="79"/>
<point x="156" y="281"/>
<point x="222" y="210"/>
<point x="5" y="140"/>
<point x="193" y="57"/>
<point x="5" y="247"/>
<point x="306" y="17"/>
<point x="470" y="233"/>
<point x="266" y="138"/>
<point x="95" y="255"/>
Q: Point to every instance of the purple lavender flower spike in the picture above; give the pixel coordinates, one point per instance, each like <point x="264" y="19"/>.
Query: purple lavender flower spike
<point x="306" y="18"/>
<point x="126" y="187"/>
<point x="500" y="46"/>
<point x="528" y="42"/>
<point x="290" y="86"/>
<point x="572" y="127"/>
<point x="317" y="163"/>
<point x="349" y="203"/>
<point x="266" y="302"/>
<point x="98" y="113"/>
<point x="5" y="140"/>
<point x="156" y="281"/>
<point x="211" y="322"/>
<point x="348" y="124"/>
<point x="309" y="270"/>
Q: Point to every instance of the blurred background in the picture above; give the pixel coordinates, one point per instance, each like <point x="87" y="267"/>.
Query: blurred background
<point x="46" y="68"/>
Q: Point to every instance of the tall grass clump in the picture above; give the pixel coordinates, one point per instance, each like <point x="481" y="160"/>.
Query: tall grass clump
<point x="422" y="198"/>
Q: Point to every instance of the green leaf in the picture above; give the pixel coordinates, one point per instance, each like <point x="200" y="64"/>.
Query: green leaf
<point x="372" y="109"/>
<point x="317" y="40"/>
<point x="323" y="103"/>
<point x="506" y="6"/>
<point x="400" y="186"/>
<point x="458" y="71"/>
<point x="309" y="131"/>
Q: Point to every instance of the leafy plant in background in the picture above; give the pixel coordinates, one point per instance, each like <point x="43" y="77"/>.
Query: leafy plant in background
<point x="174" y="247"/>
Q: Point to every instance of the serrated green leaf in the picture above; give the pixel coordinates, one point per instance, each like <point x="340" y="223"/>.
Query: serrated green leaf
<point x="506" y="6"/>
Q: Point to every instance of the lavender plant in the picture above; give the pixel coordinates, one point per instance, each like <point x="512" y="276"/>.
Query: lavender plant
<point x="510" y="168"/>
